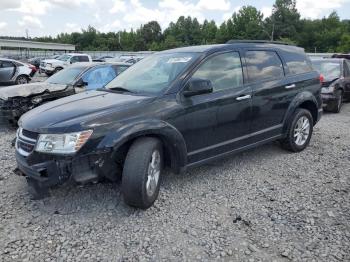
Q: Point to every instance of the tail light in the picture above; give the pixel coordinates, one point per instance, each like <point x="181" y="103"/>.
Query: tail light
<point x="32" y="67"/>
<point x="321" y="78"/>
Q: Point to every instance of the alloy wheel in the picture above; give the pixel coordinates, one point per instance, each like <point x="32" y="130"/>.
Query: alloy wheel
<point x="302" y="131"/>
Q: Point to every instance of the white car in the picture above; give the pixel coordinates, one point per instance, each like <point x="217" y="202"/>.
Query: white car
<point x="15" y="72"/>
<point x="51" y="66"/>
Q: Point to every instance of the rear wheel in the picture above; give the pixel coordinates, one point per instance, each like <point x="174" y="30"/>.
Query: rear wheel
<point x="142" y="172"/>
<point x="299" y="131"/>
<point x="336" y="105"/>
<point x="22" y="80"/>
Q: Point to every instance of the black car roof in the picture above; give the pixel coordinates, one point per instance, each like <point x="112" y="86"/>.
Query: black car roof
<point x="235" y="43"/>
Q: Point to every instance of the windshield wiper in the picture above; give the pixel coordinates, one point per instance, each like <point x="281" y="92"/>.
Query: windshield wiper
<point x="117" y="89"/>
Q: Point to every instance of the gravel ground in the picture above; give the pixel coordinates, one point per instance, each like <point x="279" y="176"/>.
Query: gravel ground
<point x="262" y="205"/>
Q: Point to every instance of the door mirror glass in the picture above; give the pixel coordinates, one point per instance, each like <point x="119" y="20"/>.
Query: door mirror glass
<point x="198" y="86"/>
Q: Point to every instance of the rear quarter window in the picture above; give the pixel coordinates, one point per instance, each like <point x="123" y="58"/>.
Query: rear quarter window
<point x="83" y="59"/>
<point x="263" y="65"/>
<point x="297" y="63"/>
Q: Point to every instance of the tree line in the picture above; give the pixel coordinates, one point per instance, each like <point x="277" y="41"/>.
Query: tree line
<point x="329" y="34"/>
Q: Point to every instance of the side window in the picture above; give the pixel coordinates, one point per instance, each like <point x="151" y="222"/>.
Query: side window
<point x="297" y="63"/>
<point x="83" y="59"/>
<point x="346" y="69"/>
<point x="119" y="69"/>
<point x="224" y="71"/>
<point x="7" y="64"/>
<point x="99" y="77"/>
<point x="263" y="65"/>
<point x="74" y="59"/>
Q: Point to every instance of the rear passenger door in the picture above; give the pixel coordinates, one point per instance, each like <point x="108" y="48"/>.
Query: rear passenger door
<point x="271" y="93"/>
<point x="347" y="79"/>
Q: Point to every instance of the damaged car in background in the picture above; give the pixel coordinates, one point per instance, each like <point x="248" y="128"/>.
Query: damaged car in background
<point x="14" y="72"/>
<point x="18" y="99"/>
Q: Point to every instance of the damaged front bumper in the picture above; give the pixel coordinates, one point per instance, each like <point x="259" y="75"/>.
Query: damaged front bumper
<point x="50" y="170"/>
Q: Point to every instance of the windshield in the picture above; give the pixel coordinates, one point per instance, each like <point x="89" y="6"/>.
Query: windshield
<point x="66" y="76"/>
<point x="329" y="69"/>
<point x="154" y="73"/>
<point x="64" y="57"/>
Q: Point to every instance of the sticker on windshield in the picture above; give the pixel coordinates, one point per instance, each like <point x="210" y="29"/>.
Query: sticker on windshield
<point x="179" y="60"/>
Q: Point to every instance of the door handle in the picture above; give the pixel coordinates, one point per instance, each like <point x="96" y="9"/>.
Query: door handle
<point x="290" y="86"/>
<point x="243" y="97"/>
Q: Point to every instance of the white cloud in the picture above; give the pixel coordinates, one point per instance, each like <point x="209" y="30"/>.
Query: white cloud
<point x="30" y="22"/>
<point x="3" y="25"/>
<point x="266" y="10"/>
<point x="119" y="6"/>
<point x="33" y="7"/>
<point x="71" y="3"/>
<point x="218" y="5"/>
<point x="316" y="9"/>
<point x="9" y="4"/>
<point x="72" y="27"/>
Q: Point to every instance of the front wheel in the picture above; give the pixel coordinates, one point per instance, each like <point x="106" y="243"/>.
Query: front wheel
<point x="142" y="171"/>
<point x="299" y="132"/>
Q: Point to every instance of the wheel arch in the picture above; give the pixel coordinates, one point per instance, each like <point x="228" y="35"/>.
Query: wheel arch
<point x="303" y="100"/>
<point x="174" y="146"/>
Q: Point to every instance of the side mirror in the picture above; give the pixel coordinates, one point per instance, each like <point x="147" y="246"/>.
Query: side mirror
<point x="81" y="83"/>
<point x="198" y="86"/>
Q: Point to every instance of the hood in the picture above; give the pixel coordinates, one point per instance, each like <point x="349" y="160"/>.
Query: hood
<point x="72" y="112"/>
<point x="53" y="61"/>
<point x="26" y="90"/>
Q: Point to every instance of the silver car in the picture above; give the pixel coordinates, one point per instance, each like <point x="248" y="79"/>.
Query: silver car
<point x="15" y="72"/>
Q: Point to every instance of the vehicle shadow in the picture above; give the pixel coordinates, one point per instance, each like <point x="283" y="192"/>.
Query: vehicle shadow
<point x="105" y="198"/>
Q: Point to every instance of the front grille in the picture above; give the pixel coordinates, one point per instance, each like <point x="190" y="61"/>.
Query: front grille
<point x="25" y="141"/>
<point x="30" y="134"/>
<point x="14" y="103"/>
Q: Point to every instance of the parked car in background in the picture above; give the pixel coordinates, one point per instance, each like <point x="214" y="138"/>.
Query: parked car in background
<point x="36" y="61"/>
<point x="52" y="66"/>
<point x="16" y="100"/>
<point x="346" y="56"/>
<point x="102" y="58"/>
<point x="131" y="59"/>
<point x="336" y="82"/>
<point x="178" y="108"/>
<point x="15" y="72"/>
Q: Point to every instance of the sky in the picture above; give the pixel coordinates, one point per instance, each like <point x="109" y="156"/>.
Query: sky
<point x="51" y="17"/>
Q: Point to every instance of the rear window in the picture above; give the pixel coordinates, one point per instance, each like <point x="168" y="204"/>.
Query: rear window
<point x="297" y="63"/>
<point x="263" y="65"/>
<point x="329" y="69"/>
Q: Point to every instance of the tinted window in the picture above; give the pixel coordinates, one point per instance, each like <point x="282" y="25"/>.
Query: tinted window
<point x="224" y="71"/>
<point x="297" y="63"/>
<point x="74" y="59"/>
<point x="99" y="77"/>
<point x="263" y="65"/>
<point x="6" y="64"/>
<point x="83" y="58"/>
<point x="346" y="69"/>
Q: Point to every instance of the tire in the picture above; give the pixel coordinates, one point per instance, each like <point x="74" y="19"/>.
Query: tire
<point x="298" y="133"/>
<point x="22" y="79"/>
<point x="335" y="106"/>
<point x="57" y="70"/>
<point x="35" y="190"/>
<point x="138" y="191"/>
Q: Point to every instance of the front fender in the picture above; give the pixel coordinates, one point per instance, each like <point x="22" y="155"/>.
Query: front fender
<point x="170" y="136"/>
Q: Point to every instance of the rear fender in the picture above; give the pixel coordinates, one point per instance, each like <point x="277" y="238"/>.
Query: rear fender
<point x="296" y="103"/>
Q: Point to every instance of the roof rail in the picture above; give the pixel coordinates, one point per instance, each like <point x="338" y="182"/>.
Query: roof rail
<point x="256" y="41"/>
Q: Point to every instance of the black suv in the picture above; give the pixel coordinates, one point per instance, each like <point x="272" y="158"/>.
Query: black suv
<point x="178" y="108"/>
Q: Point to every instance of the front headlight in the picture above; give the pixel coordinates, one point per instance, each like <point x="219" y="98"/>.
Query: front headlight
<point x="62" y="143"/>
